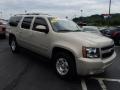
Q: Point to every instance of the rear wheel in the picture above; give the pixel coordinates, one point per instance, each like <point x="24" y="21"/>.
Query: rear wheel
<point x="117" y="41"/>
<point x="13" y="45"/>
<point x="64" y="65"/>
<point x="4" y="36"/>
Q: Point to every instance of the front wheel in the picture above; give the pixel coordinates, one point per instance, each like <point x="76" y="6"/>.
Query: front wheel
<point x="65" y="65"/>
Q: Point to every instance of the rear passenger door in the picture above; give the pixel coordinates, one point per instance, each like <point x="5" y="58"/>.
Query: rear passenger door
<point x="40" y="40"/>
<point x="26" y="32"/>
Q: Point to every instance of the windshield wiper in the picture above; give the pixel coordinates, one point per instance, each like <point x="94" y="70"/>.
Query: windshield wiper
<point x="69" y="30"/>
<point x="65" y="30"/>
<point x="77" y="31"/>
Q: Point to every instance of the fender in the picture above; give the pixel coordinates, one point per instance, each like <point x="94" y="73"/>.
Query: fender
<point x="67" y="46"/>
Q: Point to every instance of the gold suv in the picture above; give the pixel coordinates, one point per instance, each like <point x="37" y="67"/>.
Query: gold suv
<point x="63" y="42"/>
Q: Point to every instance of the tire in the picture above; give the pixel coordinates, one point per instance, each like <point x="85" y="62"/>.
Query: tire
<point x="119" y="42"/>
<point x="64" y="65"/>
<point x="13" y="45"/>
<point x="4" y="36"/>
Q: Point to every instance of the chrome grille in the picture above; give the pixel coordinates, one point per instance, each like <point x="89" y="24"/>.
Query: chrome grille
<point x="107" y="51"/>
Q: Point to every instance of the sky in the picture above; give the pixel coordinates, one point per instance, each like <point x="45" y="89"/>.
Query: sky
<point x="61" y="8"/>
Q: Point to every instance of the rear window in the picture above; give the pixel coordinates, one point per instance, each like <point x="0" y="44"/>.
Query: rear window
<point x="14" y="21"/>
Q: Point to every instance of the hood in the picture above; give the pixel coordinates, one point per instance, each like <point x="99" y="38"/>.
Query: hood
<point x="89" y="39"/>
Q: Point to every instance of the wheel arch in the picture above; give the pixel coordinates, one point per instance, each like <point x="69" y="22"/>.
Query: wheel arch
<point x="59" y="49"/>
<point x="11" y="36"/>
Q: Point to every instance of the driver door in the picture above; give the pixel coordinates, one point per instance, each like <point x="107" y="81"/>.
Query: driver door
<point x="40" y="40"/>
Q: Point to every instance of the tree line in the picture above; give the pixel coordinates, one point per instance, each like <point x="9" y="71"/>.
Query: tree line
<point x="99" y="20"/>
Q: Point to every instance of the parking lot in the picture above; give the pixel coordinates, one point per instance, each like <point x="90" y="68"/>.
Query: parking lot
<point x="28" y="71"/>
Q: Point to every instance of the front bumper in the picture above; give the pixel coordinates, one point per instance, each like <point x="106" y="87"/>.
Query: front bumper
<point x="87" y="66"/>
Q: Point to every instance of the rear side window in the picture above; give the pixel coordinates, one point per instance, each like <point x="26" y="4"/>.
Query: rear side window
<point x="14" y="21"/>
<point x="39" y="21"/>
<point x="27" y="22"/>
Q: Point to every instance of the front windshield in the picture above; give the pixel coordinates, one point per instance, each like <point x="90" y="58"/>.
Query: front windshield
<point x="63" y="25"/>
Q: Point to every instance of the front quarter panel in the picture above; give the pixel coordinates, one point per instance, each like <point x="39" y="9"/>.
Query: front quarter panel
<point x="73" y="48"/>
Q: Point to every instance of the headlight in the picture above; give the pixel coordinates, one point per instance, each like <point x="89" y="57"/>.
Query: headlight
<point x="89" y="52"/>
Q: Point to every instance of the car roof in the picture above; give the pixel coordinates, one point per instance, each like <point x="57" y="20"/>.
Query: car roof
<point x="35" y="14"/>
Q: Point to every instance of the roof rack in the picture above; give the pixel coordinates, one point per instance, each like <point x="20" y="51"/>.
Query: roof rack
<point x="33" y="14"/>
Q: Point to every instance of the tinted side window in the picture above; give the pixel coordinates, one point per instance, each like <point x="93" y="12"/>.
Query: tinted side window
<point x="27" y="22"/>
<point x="39" y="21"/>
<point x="14" y="21"/>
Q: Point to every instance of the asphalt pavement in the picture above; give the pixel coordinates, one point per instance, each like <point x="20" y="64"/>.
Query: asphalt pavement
<point x="28" y="71"/>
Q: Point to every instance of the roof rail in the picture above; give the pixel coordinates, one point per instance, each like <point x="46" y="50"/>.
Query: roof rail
<point x="33" y="14"/>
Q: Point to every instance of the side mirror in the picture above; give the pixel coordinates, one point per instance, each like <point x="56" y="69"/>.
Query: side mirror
<point x="42" y="28"/>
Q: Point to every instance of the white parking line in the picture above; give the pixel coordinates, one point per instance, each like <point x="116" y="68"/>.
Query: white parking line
<point x="102" y="84"/>
<point x="84" y="86"/>
<point x="100" y="80"/>
<point x="107" y="79"/>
